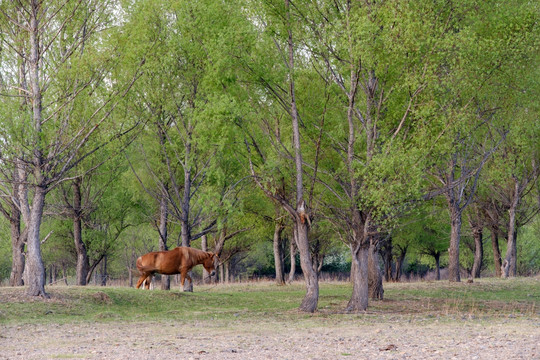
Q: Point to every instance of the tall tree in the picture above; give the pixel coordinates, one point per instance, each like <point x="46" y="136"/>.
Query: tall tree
<point x="50" y="37"/>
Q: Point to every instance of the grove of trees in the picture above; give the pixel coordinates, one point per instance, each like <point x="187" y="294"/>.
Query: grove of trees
<point x="372" y="138"/>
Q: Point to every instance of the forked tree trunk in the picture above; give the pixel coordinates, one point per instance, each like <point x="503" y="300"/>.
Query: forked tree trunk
<point x="375" y="284"/>
<point x="278" y="254"/>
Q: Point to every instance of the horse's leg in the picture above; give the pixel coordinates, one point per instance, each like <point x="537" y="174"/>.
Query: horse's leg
<point x="148" y="281"/>
<point x="141" y="279"/>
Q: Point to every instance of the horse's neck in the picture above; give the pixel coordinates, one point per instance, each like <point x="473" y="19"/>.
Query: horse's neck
<point x="200" y="256"/>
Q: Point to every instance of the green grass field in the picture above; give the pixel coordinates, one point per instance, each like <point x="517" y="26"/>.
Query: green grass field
<point x="420" y="301"/>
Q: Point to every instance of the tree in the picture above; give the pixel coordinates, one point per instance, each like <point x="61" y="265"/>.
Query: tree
<point x="54" y="40"/>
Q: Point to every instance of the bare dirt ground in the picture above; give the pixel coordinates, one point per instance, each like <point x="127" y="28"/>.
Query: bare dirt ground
<point x="350" y="339"/>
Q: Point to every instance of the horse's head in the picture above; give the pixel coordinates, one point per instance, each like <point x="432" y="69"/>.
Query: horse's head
<point x="211" y="263"/>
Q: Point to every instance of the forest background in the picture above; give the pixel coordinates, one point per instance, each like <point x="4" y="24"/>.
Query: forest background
<point x="371" y="140"/>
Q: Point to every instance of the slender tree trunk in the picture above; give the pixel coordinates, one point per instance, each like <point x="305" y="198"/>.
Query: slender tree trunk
<point x="163" y="235"/>
<point x="478" y="252"/>
<point x="509" y="264"/>
<point x="399" y="262"/>
<point x="204" y="247"/>
<point x="309" y="303"/>
<point x="388" y="262"/>
<point x="104" y="271"/>
<point x="83" y="263"/>
<point x="453" y="251"/>
<point x="301" y="217"/>
<point x="376" y="291"/>
<point x="437" y="256"/>
<point x="497" y="263"/>
<point x="278" y="254"/>
<point x="292" y="255"/>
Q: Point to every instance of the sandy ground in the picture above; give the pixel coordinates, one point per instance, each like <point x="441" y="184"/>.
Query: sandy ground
<point x="495" y="339"/>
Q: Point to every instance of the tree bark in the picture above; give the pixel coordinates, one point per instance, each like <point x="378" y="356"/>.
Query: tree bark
<point x="292" y="255"/>
<point x="497" y="263"/>
<point x="375" y="285"/>
<point x="35" y="271"/>
<point x="509" y="264"/>
<point x="437" y="257"/>
<point x="478" y="251"/>
<point x="360" y="277"/>
<point x="163" y="235"/>
<point x="278" y="253"/>
<point x="399" y="262"/>
<point x="204" y="247"/>
<point x="453" y="251"/>
<point x="83" y="263"/>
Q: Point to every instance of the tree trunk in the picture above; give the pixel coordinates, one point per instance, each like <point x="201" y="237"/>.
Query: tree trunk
<point x="359" y="277"/>
<point x="34" y="262"/>
<point x="509" y="264"/>
<point x="309" y="303"/>
<point x="17" y="249"/>
<point x="478" y="252"/>
<point x="104" y="271"/>
<point x="388" y="262"/>
<point x="497" y="263"/>
<point x="35" y="270"/>
<point x="453" y="251"/>
<point x="83" y="263"/>
<point x="437" y="256"/>
<point x="278" y="254"/>
<point x="292" y="254"/>
<point x="204" y="247"/>
<point x="375" y="284"/>
<point x="163" y="220"/>
<point x="399" y="262"/>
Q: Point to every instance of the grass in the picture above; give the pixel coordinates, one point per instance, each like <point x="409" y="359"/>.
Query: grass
<point x="266" y="302"/>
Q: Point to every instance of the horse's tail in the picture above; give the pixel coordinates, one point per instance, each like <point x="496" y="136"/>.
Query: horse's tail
<point x="139" y="263"/>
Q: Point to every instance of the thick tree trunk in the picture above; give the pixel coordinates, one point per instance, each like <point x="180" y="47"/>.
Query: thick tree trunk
<point x="375" y="285"/>
<point x="278" y="254"/>
<point x="83" y="263"/>
<point x="478" y="252"/>
<point x="453" y="251"/>
<point x="509" y="264"/>
<point x="496" y="252"/>
<point x="292" y="255"/>
<point x="35" y="271"/>
<point x="163" y="220"/>
<point x="360" y="277"/>
<point x="17" y="249"/>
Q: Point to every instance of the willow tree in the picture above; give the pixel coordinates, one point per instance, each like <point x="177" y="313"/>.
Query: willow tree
<point x="68" y="61"/>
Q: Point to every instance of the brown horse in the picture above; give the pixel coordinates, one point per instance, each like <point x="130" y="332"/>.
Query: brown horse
<point x="176" y="261"/>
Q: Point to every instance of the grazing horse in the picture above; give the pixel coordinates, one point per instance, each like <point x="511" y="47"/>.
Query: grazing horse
<point x="176" y="261"/>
